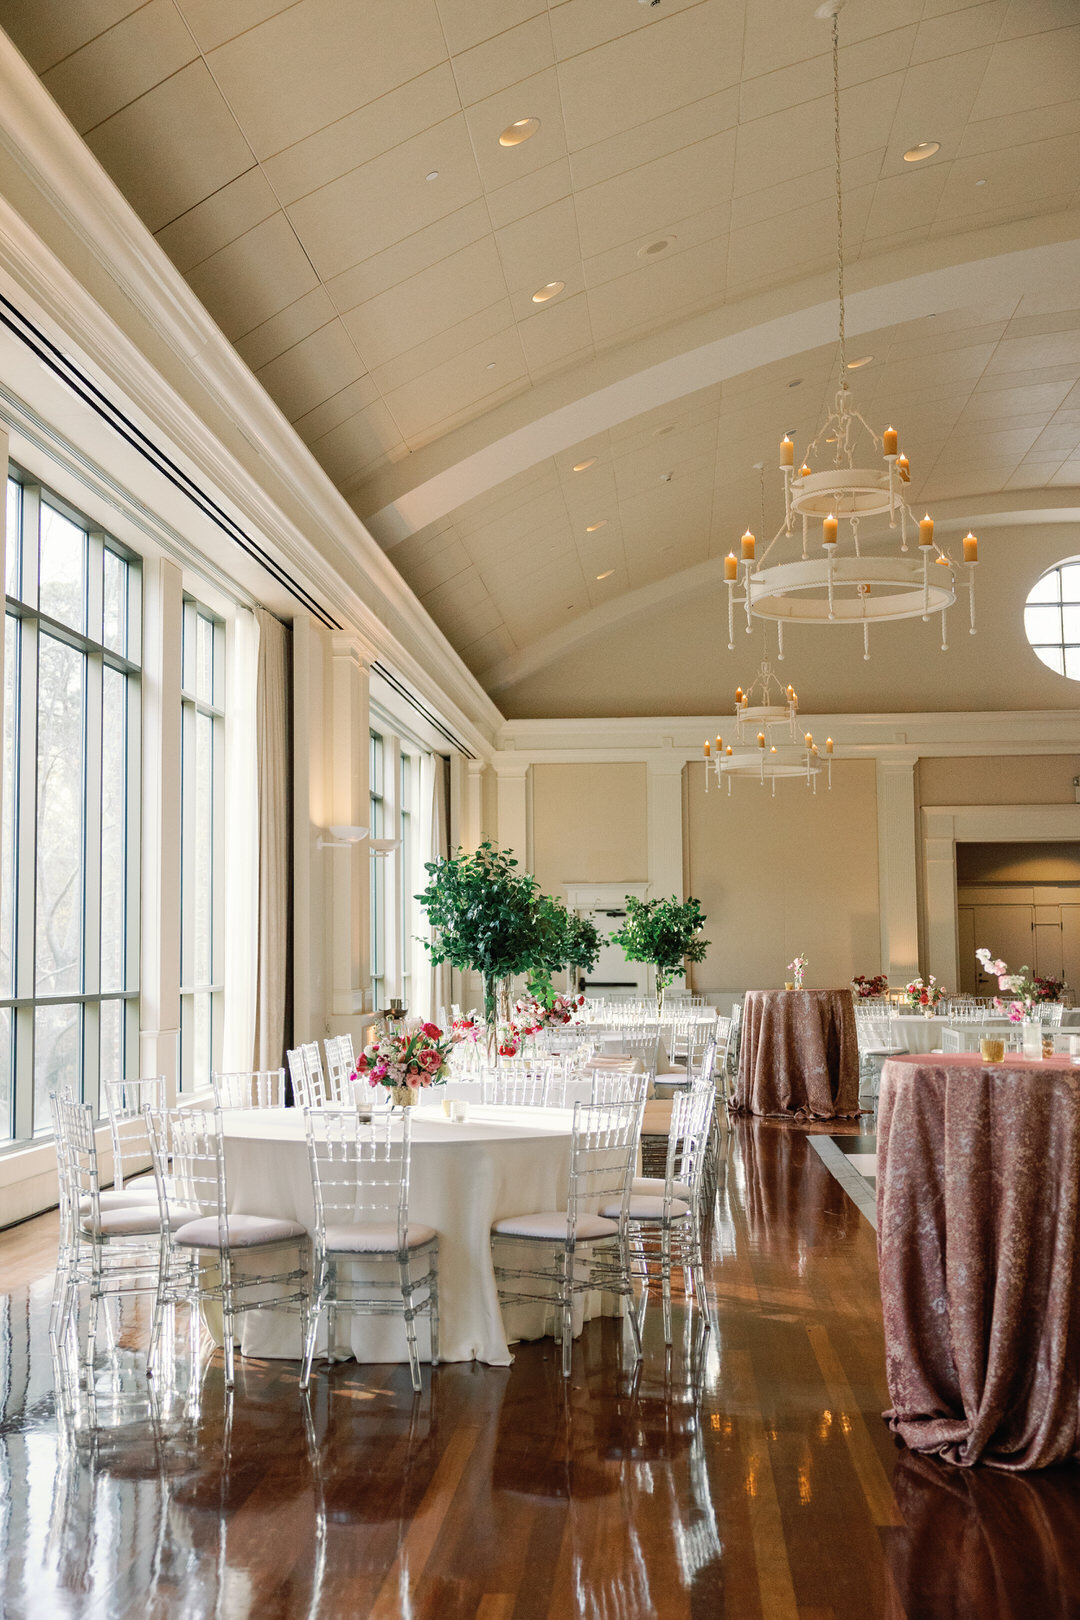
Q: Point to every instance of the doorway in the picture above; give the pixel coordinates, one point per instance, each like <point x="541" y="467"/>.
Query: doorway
<point x="1022" y="902"/>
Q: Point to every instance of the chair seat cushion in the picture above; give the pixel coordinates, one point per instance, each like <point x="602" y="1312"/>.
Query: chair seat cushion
<point x="551" y="1224"/>
<point x="653" y="1187"/>
<point x="646" y="1208"/>
<point x="375" y="1239"/>
<point x="245" y="1231"/>
<point x="146" y="1183"/>
<point x="121" y="1200"/>
<point x="657" y="1120"/>
<point x="136" y="1220"/>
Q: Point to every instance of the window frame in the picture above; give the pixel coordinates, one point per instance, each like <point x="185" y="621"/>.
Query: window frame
<point x="193" y="707"/>
<point x="27" y="622"/>
<point x="1063" y="646"/>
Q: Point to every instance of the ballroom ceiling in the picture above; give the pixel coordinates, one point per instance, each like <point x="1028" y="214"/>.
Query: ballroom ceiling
<point x="328" y="177"/>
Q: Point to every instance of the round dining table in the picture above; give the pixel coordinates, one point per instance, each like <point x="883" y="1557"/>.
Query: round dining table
<point x="799" y="1055"/>
<point x="463" y="1177"/>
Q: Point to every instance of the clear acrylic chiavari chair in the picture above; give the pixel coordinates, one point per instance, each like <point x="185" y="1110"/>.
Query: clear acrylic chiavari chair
<point x="205" y="1241"/>
<point x="360" y="1184"/>
<point x="340" y="1063"/>
<point x="515" y="1088"/>
<point x="309" y="1085"/>
<point x="126" y="1102"/>
<point x="591" y="1250"/>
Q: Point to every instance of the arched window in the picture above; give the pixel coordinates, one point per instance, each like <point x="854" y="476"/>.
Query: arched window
<point x="1052" y="619"/>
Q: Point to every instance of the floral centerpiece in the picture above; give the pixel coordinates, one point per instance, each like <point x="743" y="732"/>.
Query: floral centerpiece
<point x="924" y="994"/>
<point x="406" y="1061"/>
<point x="872" y="988"/>
<point x="531" y="1014"/>
<point x="1023" y="990"/>
<point x="797" y="969"/>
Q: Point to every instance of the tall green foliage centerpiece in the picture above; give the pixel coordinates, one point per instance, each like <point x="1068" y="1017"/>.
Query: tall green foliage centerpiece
<point x="482" y="912"/>
<point x="663" y="933"/>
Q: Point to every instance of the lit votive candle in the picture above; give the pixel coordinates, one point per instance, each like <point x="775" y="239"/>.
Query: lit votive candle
<point x="890" y="441"/>
<point x="830" y="530"/>
<point x="761" y="739"/>
<point x="903" y="467"/>
<point x="708" y="750"/>
<point x="731" y="566"/>
<point x="787" y="452"/>
<point x="971" y="548"/>
<point x="828" y="745"/>
<point x="926" y="530"/>
<point x="748" y="544"/>
<point x="804" y="470"/>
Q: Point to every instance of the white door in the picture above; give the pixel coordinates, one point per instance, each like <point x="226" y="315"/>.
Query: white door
<point x="613" y="974"/>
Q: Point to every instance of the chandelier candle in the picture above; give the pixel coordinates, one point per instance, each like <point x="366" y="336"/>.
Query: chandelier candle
<point x="926" y="531"/>
<point x="903" y="467"/>
<point x="890" y="443"/>
<point x="971" y="548"/>
<point x="787" y="452"/>
<point x="731" y="566"/>
<point x="748" y="544"/>
<point x="830" y="530"/>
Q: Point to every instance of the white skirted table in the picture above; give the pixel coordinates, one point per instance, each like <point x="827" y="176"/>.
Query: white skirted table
<point x="463" y="1177"/>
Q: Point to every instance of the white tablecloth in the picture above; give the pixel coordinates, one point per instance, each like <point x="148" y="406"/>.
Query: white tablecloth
<point x="918" y="1034"/>
<point x="463" y="1178"/>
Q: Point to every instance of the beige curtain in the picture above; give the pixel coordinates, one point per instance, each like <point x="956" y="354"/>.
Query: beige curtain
<point x="441" y="993"/>
<point x="272" y="746"/>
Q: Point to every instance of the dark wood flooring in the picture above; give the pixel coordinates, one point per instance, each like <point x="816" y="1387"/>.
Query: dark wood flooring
<point x="769" y="1489"/>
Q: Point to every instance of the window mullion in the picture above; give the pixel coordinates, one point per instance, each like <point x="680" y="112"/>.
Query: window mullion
<point x="26" y="875"/>
<point x="93" y="788"/>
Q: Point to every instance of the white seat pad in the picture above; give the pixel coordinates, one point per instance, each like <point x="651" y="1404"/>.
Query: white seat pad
<point x="146" y="1183"/>
<point x="653" y="1187"/>
<point x="375" y="1239"/>
<point x="137" y="1220"/>
<point x="649" y="1209"/>
<point x="245" y="1231"/>
<point x="551" y="1224"/>
<point x="121" y="1200"/>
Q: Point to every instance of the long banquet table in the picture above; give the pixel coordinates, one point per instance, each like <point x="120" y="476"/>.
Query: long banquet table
<point x="463" y="1177"/>
<point x="978" y="1192"/>
<point x="799" y="1055"/>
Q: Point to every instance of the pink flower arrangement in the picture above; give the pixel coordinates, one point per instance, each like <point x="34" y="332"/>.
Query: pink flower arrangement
<point x="531" y="1015"/>
<point x="873" y="987"/>
<point x="415" y="1057"/>
<point x="1025" y="988"/>
<point x="925" y="994"/>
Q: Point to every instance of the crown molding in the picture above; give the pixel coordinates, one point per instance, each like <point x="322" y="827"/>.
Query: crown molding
<point x="196" y="394"/>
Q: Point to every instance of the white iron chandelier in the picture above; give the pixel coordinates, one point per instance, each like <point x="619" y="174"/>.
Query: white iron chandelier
<point x="842" y="583"/>
<point x="767" y="710"/>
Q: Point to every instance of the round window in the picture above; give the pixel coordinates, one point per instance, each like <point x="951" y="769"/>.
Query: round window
<point x="1052" y="619"/>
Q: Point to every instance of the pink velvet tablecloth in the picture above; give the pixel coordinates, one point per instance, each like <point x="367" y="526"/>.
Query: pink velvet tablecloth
<point x="978" y="1171"/>
<point x="799" y="1056"/>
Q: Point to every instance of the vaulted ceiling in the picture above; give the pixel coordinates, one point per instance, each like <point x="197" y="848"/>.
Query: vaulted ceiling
<point x="328" y="176"/>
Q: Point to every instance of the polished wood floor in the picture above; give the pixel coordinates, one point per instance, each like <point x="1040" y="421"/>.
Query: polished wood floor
<point x="768" y="1488"/>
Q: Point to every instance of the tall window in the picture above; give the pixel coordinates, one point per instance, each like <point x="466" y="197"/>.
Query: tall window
<point x="377" y="784"/>
<point x="202" y="835"/>
<point x="69" y="824"/>
<point x="1052" y="619"/>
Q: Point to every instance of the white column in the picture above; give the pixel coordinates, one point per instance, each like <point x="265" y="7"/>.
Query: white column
<point x="898" y="896"/>
<point x="939" y="880"/>
<point x="159" y="987"/>
<point x="473" y="809"/>
<point x="665" y="833"/>
<point x="348" y="870"/>
<point x="512" y="782"/>
<point x="311" y="813"/>
<point x="665" y="825"/>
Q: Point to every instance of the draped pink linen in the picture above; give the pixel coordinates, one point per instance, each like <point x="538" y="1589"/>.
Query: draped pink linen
<point x="799" y="1056"/>
<point x="978" y="1174"/>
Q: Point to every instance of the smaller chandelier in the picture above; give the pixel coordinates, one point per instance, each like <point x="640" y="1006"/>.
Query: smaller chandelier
<point x="767" y="744"/>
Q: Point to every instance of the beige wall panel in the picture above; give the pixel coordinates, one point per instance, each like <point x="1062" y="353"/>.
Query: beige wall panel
<point x="776" y="876"/>
<point x="589" y="825"/>
<point x="1018" y="779"/>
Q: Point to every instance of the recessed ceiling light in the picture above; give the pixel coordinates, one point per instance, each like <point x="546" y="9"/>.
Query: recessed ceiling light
<point x="660" y="432"/>
<point x="651" y="249"/>
<point x="925" y="149"/>
<point x="551" y="289"/>
<point x="980" y="182"/>
<point x="583" y="466"/>
<point x="863" y="360"/>
<point x="434" y="175"/>
<point x="607" y="575"/>
<point x="796" y="382"/>
<point x="490" y="366"/>
<point x="519" y="131"/>
<point x="591" y="528"/>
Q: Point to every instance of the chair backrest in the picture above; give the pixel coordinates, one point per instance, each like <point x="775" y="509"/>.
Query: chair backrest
<point x="126" y="1102"/>
<point x="874" y="1027"/>
<point x="1049" y="1013"/>
<point x="189" y="1162"/>
<point x="76" y="1159"/>
<point x="618" y="1085"/>
<point x="968" y="1036"/>
<point x="521" y="1088"/>
<point x="359" y="1169"/>
<point x="603" y="1153"/>
<point x="702" y="1060"/>
<point x="261" y="1088"/>
<point x="688" y="1136"/>
<point x="306" y="1073"/>
<point x="340" y="1063"/>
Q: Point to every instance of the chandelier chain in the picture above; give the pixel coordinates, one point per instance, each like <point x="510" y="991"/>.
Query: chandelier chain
<point x="839" y="196"/>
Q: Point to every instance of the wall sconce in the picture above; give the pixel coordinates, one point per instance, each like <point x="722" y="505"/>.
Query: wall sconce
<point x="384" y="846"/>
<point x="343" y="837"/>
